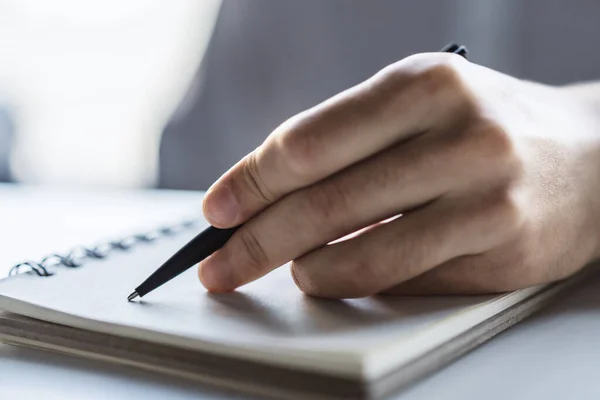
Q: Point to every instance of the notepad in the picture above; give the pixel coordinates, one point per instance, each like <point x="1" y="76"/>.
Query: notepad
<point x="266" y="338"/>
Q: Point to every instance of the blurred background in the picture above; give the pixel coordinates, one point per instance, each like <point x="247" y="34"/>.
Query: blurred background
<point x="86" y="86"/>
<point x="152" y="93"/>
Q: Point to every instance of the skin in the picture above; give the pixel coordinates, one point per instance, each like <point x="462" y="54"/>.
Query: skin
<point x="449" y="178"/>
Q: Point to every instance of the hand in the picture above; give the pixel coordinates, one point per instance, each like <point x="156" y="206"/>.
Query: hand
<point x="494" y="183"/>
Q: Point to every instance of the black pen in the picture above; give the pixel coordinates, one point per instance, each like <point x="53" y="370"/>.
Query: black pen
<point x="203" y="245"/>
<point x="210" y="240"/>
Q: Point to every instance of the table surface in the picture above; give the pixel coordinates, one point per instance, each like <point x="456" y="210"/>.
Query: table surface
<point x="552" y="355"/>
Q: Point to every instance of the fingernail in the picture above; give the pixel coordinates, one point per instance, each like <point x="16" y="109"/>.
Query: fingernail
<point x="215" y="274"/>
<point x="221" y="207"/>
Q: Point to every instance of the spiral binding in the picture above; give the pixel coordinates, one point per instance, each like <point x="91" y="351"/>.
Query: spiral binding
<point x="76" y="257"/>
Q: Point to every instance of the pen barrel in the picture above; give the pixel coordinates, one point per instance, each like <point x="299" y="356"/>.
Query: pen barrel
<point x="196" y="250"/>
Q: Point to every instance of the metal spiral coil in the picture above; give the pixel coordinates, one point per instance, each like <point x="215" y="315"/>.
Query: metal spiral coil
<point x="76" y="257"/>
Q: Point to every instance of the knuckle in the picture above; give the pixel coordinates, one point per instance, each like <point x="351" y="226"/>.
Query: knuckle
<point x="440" y="77"/>
<point x="492" y="148"/>
<point x="391" y="79"/>
<point x="495" y="141"/>
<point x="505" y="211"/>
<point x="438" y="70"/>
<point x="437" y="77"/>
<point x="420" y="62"/>
<point x="252" y="251"/>
<point x="326" y="201"/>
<point x="431" y="72"/>
<point x="301" y="145"/>
<point x="254" y="182"/>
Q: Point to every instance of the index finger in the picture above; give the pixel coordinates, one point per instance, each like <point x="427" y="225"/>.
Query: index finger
<point x="400" y="101"/>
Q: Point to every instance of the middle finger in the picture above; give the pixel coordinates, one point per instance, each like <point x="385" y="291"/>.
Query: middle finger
<point x="396" y="180"/>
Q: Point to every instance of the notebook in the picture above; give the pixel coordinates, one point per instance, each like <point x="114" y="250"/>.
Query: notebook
<point x="266" y="338"/>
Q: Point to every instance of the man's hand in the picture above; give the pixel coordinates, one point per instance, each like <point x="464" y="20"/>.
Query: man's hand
<point x="495" y="183"/>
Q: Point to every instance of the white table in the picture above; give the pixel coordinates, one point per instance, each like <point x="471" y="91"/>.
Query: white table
<point x="553" y="355"/>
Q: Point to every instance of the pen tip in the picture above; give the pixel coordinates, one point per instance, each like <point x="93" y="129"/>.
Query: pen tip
<point x="132" y="296"/>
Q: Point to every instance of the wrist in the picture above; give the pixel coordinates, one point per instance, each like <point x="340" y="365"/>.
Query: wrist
<point x="586" y="100"/>
<point x="586" y="94"/>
